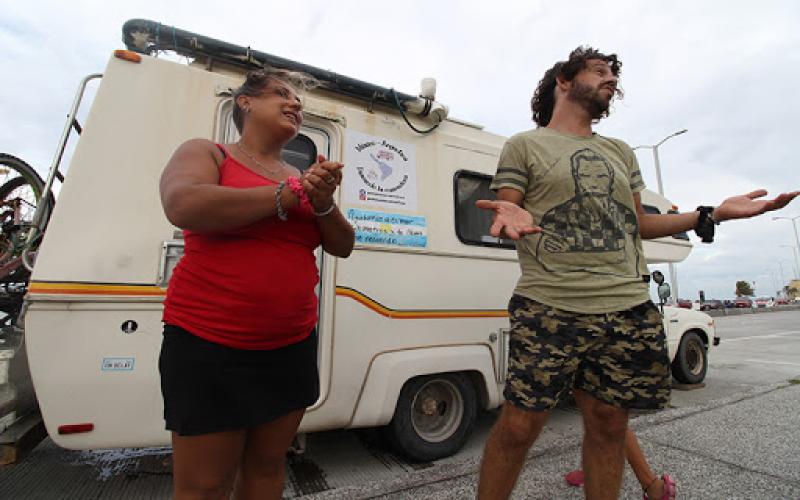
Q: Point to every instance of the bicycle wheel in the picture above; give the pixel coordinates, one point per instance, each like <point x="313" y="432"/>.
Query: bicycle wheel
<point x="20" y="195"/>
<point x="18" y="180"/>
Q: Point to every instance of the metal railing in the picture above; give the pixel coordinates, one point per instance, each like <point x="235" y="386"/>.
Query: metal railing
<point x="39" y="221"/>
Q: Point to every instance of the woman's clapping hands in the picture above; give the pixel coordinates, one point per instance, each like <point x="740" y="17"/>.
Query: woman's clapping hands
<point x="320" y="181"/>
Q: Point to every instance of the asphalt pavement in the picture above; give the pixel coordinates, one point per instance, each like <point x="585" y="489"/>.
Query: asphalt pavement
<point x="739" y="447"/>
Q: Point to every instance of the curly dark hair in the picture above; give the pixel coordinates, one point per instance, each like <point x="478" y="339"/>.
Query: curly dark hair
<point x="257" y="81"/>
<point x="544" y="98"/>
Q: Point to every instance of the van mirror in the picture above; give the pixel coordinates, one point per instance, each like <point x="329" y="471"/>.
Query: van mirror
<point x="171" y="253"/>
<point x="664" y="291"/>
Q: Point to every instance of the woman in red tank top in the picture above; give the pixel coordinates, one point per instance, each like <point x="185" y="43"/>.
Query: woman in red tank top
<point x="238" y="360"/>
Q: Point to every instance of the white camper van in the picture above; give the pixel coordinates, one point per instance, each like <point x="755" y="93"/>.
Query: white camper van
<point x="413" y="326"/>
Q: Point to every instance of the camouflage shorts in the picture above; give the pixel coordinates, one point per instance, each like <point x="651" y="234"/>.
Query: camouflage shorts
<point x="619" y="358"/>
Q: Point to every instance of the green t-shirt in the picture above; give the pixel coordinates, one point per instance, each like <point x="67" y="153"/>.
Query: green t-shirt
<point x="588" y="258"/>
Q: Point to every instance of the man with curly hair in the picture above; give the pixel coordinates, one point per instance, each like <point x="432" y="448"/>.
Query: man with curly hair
<point x="580" y="314"/>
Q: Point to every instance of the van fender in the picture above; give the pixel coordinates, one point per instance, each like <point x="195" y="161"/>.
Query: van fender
<point x="388" y="372"/>
<point x="688" y="320"/>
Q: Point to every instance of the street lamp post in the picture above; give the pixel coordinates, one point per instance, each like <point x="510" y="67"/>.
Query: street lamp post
<point x="794" y="253"/>
<point x="673" y="278"/>
<point x="774" y="280"/>
<point x="796" y="238"/>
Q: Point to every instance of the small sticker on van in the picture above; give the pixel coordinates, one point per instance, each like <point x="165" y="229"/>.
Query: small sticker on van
<point x="379" y="228"/>
<point x="117" y="364"/>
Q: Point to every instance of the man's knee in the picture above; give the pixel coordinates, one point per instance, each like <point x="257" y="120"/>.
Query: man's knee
<point x="520" y="427"/>
<point x="605" y="421"/>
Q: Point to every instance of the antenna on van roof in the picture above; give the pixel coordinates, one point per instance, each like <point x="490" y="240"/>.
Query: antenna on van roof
<point x="146" y="37"/>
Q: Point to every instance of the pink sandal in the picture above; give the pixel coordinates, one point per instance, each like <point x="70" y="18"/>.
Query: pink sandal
<point x="574" y="478"/>
<point x="669" y="488"/>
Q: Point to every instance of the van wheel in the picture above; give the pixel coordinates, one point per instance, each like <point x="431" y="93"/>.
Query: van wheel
<point x="434" y="416"/>
<point x="691" y="361"/>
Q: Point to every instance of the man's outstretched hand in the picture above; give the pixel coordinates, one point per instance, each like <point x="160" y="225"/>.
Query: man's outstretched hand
<point x="510" y="219"/>
<point x="748" y="205"/>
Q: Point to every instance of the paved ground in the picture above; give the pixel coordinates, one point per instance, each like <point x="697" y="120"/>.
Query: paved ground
<point x="736" y="448"/>
<point x="735" y="438"/>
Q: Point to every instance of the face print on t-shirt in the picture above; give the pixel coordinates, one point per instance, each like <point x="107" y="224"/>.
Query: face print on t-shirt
<point x="591" y="227"/>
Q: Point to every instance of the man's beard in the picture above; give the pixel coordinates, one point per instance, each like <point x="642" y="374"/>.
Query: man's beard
<point x="590" y="98"/>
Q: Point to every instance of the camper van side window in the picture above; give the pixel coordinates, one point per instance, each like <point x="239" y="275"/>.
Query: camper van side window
<point x="472" y="224"/>
<point x="301" y="152"/>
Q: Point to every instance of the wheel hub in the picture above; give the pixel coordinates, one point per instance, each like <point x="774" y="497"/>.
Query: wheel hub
<point x="694" y="358"/>
<point x="430" y="407"/>
<point x="437" y="411"/>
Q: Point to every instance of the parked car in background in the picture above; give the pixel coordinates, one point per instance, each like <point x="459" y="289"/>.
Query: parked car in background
<point x="765" y="302"/>
<point x="690" y="337"/>
<point x="729" y="303"/>
<point x="684" y="303"/>
<point x="741" y="302"/>
<point x="711" y="304"/>
<point x="781" y="301"/>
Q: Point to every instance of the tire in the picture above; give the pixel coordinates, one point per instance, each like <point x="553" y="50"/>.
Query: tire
<point x="434" y="416"/>
<point x="691" y="361"/>
<point x="11" y="185"/>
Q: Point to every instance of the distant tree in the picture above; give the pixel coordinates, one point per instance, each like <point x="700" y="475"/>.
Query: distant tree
<point x="743" y="289"/>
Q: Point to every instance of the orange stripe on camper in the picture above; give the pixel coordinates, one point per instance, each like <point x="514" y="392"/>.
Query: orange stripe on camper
<point x="48" y="288"/>
<point x="418" y="313"/>
<point x="45" y="288"/>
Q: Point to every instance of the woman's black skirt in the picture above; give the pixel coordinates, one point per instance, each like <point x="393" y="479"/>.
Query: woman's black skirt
<point x="209" y="387"/>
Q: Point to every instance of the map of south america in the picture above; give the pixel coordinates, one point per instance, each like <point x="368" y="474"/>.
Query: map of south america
<point x="386" y="169"/>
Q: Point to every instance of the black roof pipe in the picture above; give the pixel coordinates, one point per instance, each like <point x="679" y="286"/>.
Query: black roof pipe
<point x="146" y="37"/>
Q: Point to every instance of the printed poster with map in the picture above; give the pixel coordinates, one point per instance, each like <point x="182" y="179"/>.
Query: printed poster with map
<point x="379" y="172"/>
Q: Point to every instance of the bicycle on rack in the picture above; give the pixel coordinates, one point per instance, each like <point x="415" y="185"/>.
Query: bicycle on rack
<point x="26" y="202"/>
<point x="21" y="191"/>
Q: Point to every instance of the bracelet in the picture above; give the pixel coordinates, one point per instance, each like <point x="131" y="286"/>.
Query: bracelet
<point x="297" y="188"/>
<point x="282" y="215"/>
<point x="326" y="211"/>
<point x="705" y="224"/>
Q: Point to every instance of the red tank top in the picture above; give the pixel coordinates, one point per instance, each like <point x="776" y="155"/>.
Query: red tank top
<point x="251" y="287"/>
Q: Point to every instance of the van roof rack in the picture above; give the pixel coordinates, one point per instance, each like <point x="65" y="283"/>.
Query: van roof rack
<point x="146" y="37"/>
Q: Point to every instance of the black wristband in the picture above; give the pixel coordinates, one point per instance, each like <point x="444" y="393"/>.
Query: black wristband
<point x="705" y="224"/>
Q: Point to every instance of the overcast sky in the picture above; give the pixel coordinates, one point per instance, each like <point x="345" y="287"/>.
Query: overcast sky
<point x="727" y="71"/>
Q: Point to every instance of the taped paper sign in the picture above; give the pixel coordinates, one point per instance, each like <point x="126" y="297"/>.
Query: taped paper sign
<point x="379" y="228"/>
<point x="380" y="172"/>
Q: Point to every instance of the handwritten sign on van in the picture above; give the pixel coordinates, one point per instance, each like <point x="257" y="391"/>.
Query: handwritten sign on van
<point x="379" y="172"/>
<point x="378" y="228"/>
